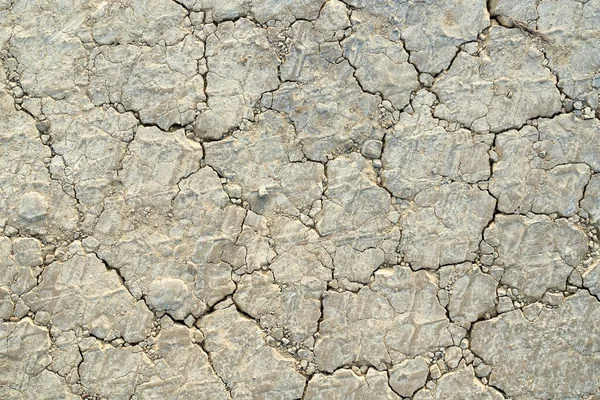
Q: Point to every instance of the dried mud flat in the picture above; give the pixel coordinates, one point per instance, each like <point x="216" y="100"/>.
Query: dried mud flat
<point x="299" y="199"/>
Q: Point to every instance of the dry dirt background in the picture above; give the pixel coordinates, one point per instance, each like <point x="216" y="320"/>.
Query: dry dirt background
<point x="285" y="199"/>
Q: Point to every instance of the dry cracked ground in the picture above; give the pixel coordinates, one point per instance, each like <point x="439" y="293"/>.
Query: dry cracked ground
<point x="299" y="199"/>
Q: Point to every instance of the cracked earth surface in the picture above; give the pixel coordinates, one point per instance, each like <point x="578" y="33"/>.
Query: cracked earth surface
<point x="299" y="199"/>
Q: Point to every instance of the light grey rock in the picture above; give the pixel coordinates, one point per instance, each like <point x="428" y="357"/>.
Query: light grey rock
<point x="160" y="83"/>
<point x="435" y="372"/>
<point x="502" y="99"/>
<point x="6" y="304"/>
<point x="398" y="317"/>
<point x="52" y="58"/>
<point x="320" y="96"/>
<point x="69" y="291"/>
<point x="409" y="376"/>
<point x="33" y="206"/>
<point x="287" y="233"/>
<point x="463" y="381"/>
<point x="183" y="368"/>
<point x="505" y="304"/>
<point x="372" y="148"/>
<point x="591" y="279"/>
<point x="345" y="384"/>
<point x="24" y="350"/>
<point x="355" y="209"/>
<point x="241" y="49"/>
<point x="289" y="297"/>
<point x="258" y="161"/>
<point x="355" y="265"/>
<point x="591" y="200"/>
<point x="472" y="296"/>
<point x="258" y="295"/>
<point x="243" y="360"/>
<point x="139" y="22"/>
<point x="418" y="159"/>
<point x="432" y="35"/>
<point x="156" y="164"/>
<point x="531" y="174"/>
<point x="558" y="361"/>
<point x="66" y="354"/>
<point x="284" y="199"/>
<point x="452" y="356"/>
<point x="523" y="11"/>
<point x="220" y="11"/>
<point x="286" y="10"/>
<point x="19" y="271"/>
<point x="553" y="299"/>
<point x="424" y="394"/>
<point x="91" y="150"/>
<point x="30" y="200"/>
<point x="167" y="294"/>
<point x="565" y="139"/>
<point x="203" y="226"/>
<point x="113" y="373"/>
<point x="27" y="252"/>
<point x="381" y="63"/>
<point x="532" y="311"/>
<point x="572" y="46"/>
<point x="445" y="226"/>
<point x="536" y="253"/>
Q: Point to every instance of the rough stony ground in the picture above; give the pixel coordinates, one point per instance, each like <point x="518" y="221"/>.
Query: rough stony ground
<point x="299" y="199"/>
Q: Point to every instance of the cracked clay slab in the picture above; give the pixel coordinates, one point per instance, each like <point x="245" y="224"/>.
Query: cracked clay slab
<point x="300" y="200"/>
